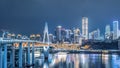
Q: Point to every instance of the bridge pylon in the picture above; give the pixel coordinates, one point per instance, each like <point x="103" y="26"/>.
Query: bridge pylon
<point x="46" y="34"/>
<point x="46" y="41"/>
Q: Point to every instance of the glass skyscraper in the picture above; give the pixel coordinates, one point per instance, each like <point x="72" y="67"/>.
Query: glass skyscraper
<point x="107" y="32"/>
<point x="115" y="30"/>
<point x="85" y="28"/>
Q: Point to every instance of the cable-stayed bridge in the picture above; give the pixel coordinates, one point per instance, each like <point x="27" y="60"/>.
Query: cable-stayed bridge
<point x="4" y="46"/>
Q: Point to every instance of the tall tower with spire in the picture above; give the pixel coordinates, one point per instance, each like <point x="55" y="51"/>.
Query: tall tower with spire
<point x="46" y="35"/>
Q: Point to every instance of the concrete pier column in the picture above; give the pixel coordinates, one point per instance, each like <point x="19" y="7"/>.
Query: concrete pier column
<point x="28" y="55"/>
<point x="24" y="56"/>
<point x="33" y="61"/>
<point x="119" y="44"/>
<point x="20" y="55"/>
<point x="5" y="56"/>
<point x="0" y="56"/>
<point x="12" y="57"/>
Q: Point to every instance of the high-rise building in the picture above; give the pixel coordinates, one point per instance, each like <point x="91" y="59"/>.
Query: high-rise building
<point x="91" y="35"/>
<point x="76" y="35"/>
<point x="97" y="34"/>
<point x="67" y="33"/>
<point x="60" y="34"/>
<point x="107" y="32"/>
<point x="32" y="37"/>
<point x="63" y="34"/>
<point x="94" y="35"/>
<point x="85" y="28"/>
<point x="111" y="35"/>
<point x="38" y="37"/>
<point x="115" y="30"/>
<point x="51" y="38"/>
<point x="67" y="37"/>
<point x="71" y="36"/>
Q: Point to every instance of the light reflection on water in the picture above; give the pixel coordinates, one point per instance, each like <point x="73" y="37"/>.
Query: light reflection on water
<point x="63" y="60"/>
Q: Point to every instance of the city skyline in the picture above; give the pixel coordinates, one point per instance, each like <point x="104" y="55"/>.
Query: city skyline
<point x="59" y="33"/>
<point x="31" y="15"/>
<point x="53" y="30"/>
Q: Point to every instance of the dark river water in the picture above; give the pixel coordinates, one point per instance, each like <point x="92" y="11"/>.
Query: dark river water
<point x="64" y="60"/>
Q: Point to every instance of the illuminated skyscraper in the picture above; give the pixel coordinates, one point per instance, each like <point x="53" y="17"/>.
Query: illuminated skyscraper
<point x="32" y="37"/>
<point x="95" y="35"/>
<point x="85" y="27"/>
<point x="51" y="38"/>
<point x="38" y="37"/>
<point x="13" y="36"/>
<point x="67" y="33"/>
<point x="58" y="33"/>
<point x="107" y="32"/>
<point x="67" y="37"/>
<point x="115" y="30"/>
<point x="76" y="35"/>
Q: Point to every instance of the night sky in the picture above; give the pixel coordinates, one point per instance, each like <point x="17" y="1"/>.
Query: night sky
<point x="29" y="16"/>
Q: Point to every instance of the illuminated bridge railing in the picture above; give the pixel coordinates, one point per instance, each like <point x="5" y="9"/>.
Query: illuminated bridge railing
<point x="17" y="41"/>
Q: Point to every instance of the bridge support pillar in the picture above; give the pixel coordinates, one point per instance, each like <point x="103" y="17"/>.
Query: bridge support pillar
<point x="20" y="55"/>
<point x="24" y="56"/>
<point x="12" y="57"/>
<point x="33" y="53"/>
<point x="28" y="55"/>
<point x="0" y="56"/>
<point x="119" y="44"/>
<point x="5" y="56"/>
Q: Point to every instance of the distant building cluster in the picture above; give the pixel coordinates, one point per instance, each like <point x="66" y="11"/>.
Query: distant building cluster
<point x="95" y="35"/>
<point x="74" y="35"/>
<point x="63" y="35"/>
<point x="109" y="33"/>
<point x="112" y="35"/>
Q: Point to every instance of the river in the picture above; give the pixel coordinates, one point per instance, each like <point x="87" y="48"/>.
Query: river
<point x="64" y="60"/>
